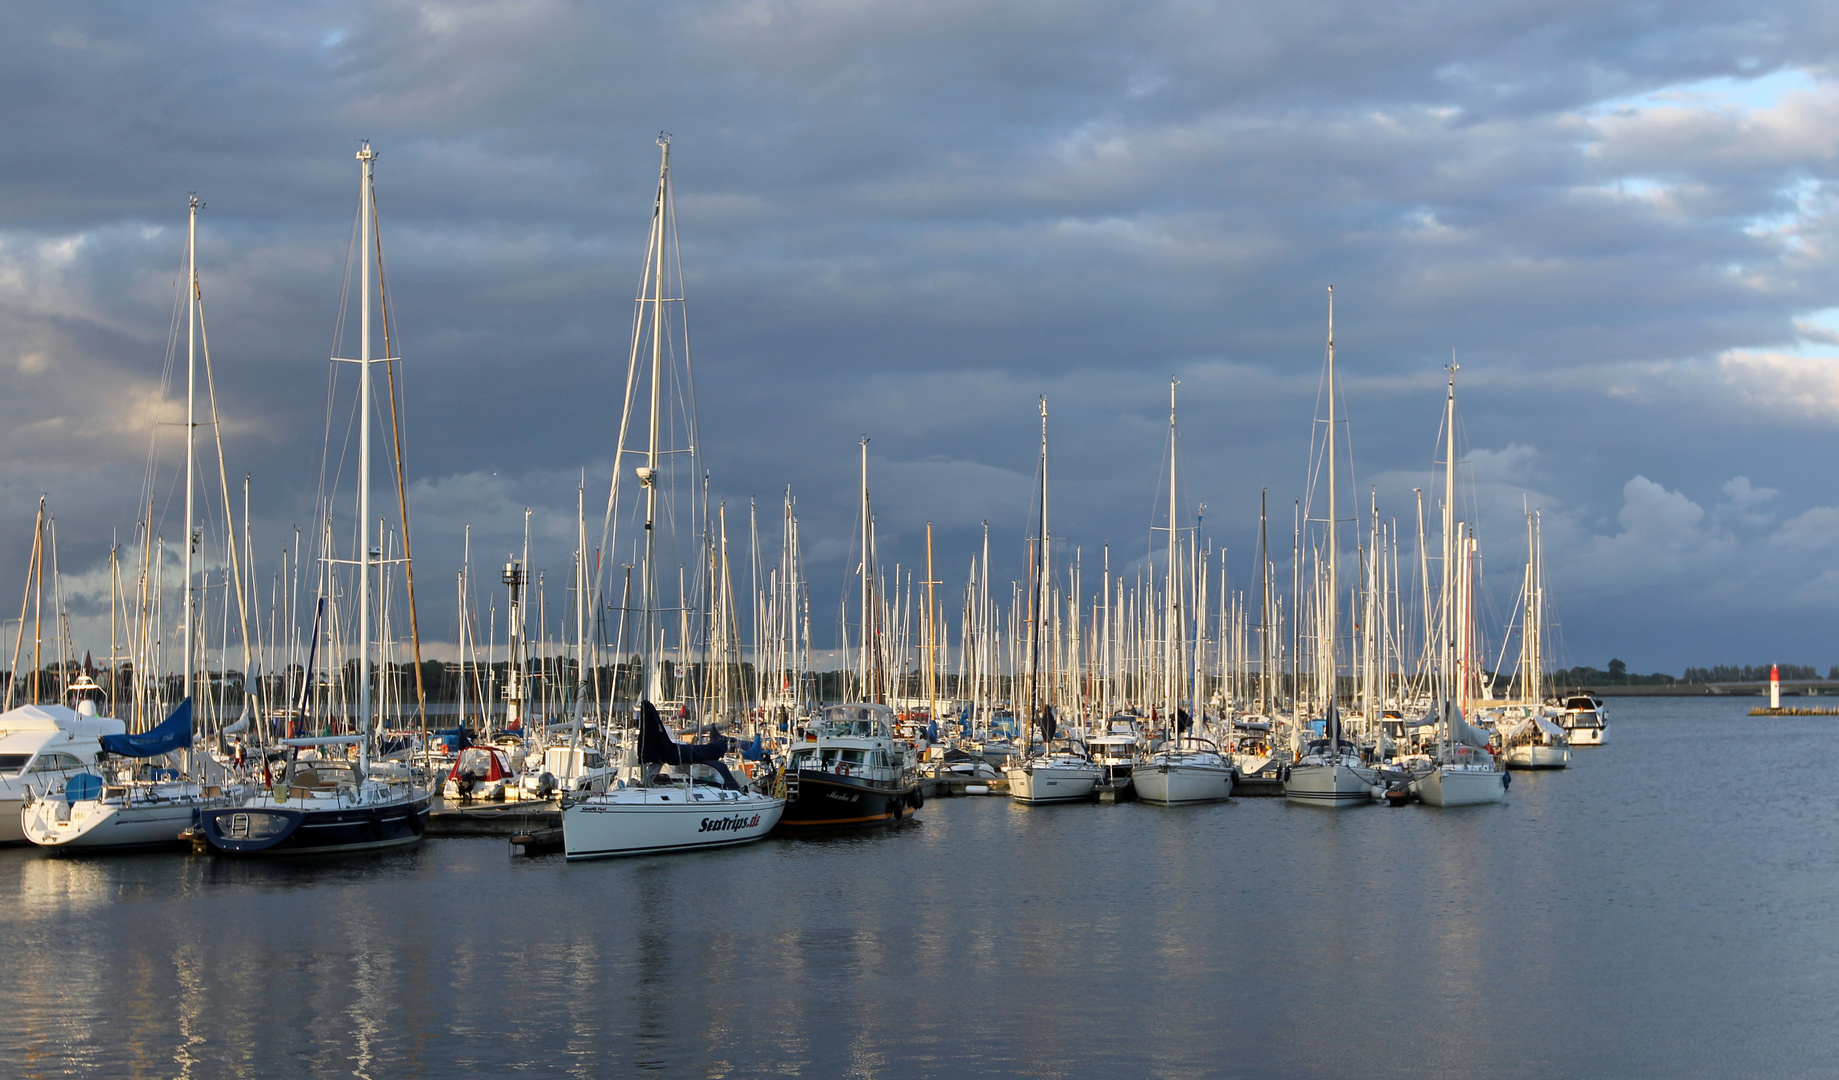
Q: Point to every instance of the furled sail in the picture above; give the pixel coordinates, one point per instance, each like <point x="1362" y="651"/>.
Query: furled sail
<point x="656" y="747"/>
<point x="174" y="733"/>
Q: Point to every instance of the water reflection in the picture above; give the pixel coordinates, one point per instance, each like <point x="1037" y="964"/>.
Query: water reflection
<point x="1567" y="932"/>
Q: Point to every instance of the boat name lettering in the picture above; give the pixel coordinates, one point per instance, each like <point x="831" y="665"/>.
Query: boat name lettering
<point x="729" y="824"/>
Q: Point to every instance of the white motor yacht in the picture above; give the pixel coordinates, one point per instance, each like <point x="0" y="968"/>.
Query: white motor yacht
<point x="1584" y="720"/>
<point x="41" y="747"/>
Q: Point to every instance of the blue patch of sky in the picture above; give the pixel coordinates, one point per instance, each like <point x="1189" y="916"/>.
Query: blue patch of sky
<point x="1750" y="94"/>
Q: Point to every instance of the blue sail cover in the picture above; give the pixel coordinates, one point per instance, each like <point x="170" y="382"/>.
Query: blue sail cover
<point x="656" y="747"/>
<point x="174" y="733"/>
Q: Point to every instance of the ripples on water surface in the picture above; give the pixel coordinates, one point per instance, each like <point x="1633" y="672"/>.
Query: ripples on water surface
<point x="1663" y="908"/>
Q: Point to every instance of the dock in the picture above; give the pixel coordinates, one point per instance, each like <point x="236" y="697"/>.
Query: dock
<point x="1796" y="710"/>
<point x="934" y="787"/>
<point x="493" y="819"/>
<point x="1257" y="787"/>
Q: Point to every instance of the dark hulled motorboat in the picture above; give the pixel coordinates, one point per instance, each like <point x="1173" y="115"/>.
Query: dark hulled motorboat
<point x="850" y="772"/>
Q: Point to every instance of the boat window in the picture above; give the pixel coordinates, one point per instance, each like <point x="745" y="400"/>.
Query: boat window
<point x="854" y="756"/>
<point x="55" y="763"/>
<point x="13" y="762"/>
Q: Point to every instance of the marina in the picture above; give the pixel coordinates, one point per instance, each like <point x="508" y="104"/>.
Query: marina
<point x="918" y="542"/>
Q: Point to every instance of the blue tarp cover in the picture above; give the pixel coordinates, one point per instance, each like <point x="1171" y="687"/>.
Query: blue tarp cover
<point x="656" y="747"/>
<point x="174" y="733"/>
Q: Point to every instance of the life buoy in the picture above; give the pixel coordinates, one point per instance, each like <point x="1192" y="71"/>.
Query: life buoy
<point x="842" y="769"/>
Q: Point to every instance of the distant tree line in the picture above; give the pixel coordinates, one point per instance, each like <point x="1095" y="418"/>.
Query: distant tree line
<point x="1618" y="675"/>
<point x="1753" y="673"/>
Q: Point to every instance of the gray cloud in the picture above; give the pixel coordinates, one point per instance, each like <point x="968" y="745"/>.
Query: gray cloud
<point x="911" y="221"/>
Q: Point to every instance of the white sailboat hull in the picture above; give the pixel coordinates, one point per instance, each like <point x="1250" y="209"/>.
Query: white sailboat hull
<point x="1537" y="757"/>
<point x="1173" y="783"/>
<point x="646" y="821"/>
<point x="93" y="824"/>
<point x="1330" y="784"/>
<point x="1462" y="785"/>
<point x="1041" y="783"/>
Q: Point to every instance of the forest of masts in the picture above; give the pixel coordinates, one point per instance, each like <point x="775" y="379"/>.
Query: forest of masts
<point x="1109" y="640"/>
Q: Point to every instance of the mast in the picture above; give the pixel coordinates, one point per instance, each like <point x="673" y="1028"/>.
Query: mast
<point x="1264" y="613"/>
<point x="1332" y="729"/>
<point x="191" y="429"/>
<point x="1038" y="587"/>
<point x="648" y="478"/>
<point x="366" y="159"/>
<point x="867" y="580"/>
<point x="1446" y="661"/>
<point x="930" y="640"/>
<point x="1532" y="629"/>
<point x="1172" y="616"/>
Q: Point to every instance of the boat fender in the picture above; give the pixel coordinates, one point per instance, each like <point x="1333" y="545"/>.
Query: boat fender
<point x="1506" y="780"/>
<point x="919" y="798"/>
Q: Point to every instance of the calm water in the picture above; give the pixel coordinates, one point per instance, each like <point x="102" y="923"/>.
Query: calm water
<point x="1666" y="907"/>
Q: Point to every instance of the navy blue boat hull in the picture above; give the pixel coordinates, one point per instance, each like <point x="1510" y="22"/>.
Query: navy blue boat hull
<point x="299" y="830"/>
<point x="829" y="801"/>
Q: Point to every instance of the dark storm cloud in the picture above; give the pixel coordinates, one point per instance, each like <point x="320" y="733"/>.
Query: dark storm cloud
<point x="910" y="221"/>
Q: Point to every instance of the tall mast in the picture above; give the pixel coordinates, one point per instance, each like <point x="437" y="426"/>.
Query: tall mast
<point x="1172" y="617"/>
<point x="1446" y="665"/>
<point x="868" y="574"/>
<point x="366" y="159"/>
<point x="1332" y="619"/>
<point x="191" y="429"/>
<point x="1538" y="609"/>
<point x="648" y="574"/>
<point x="1037" y="607"/>
<point x="1264" y="613"/>
<point x="931" y="641"/>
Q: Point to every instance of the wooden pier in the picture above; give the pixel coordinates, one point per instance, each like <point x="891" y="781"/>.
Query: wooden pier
<point x="1796" y="710"/>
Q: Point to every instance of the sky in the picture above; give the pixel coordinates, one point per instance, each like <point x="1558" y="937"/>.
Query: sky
<point x="911" y="222"/>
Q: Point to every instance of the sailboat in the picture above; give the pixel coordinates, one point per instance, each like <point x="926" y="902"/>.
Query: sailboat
<point x="1330" y="771"/>
<point x="326" y="798"/>
<point x="680" y="797"/>
<point x="1061" y="771"/>
<point x="1530" y="738"/>
<point x="150" y="805"/>
<point x="1464" y="772"/>
<point x="1188" y="768"/>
